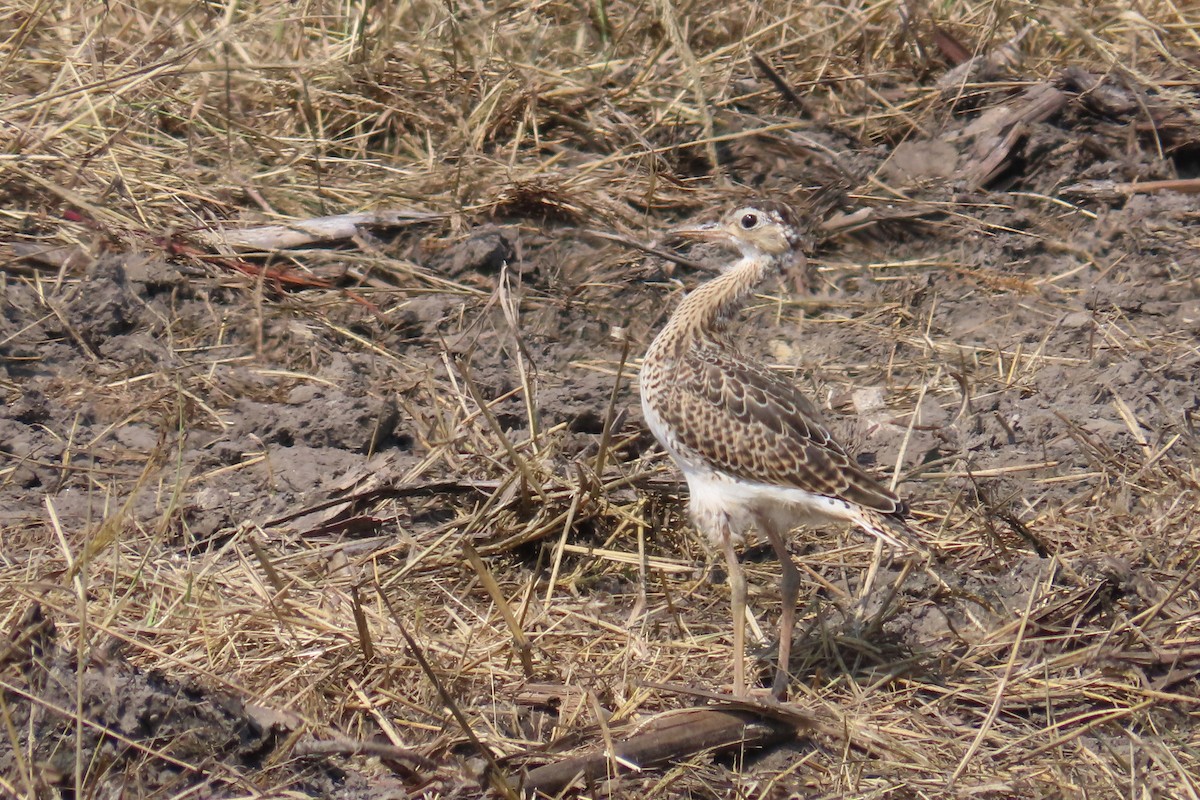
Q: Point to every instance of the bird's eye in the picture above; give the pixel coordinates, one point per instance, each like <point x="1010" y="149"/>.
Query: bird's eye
<point x="749" y="221"/>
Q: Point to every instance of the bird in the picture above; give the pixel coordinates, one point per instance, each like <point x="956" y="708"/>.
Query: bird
<point x="751" y="445"/>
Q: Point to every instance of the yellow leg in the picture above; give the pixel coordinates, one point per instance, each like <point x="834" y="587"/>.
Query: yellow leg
<point x="737" y="593"/>
<point x="789" y="588"/>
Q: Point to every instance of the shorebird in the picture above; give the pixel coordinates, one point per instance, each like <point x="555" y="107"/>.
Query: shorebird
<point x="750" y="444"/>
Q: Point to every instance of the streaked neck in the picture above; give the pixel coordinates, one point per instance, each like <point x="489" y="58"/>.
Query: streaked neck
<point x="707" y="308"/>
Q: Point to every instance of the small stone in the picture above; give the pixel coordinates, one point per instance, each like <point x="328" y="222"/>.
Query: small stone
<point x="1078" y="319"/>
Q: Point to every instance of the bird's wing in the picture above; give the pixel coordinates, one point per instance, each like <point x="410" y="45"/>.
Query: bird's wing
<point x="753" y="424"/>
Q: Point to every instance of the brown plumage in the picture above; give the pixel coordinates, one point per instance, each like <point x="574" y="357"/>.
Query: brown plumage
<point x="752" y="447"/>
<point x="746" y="422"/>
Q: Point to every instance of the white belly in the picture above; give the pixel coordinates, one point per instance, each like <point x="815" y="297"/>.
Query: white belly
<point x="720" y="502"/>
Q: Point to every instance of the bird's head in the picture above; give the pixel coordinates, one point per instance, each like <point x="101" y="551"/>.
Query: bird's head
<point x="765" y="229"/>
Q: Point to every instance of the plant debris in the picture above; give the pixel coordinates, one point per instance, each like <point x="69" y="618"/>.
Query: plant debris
<point x="322" y="467"/>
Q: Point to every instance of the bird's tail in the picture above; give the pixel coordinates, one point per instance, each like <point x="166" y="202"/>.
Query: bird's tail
<point x="894" y="532"/>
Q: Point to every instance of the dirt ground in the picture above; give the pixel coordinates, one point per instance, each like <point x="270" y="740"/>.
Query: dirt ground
<point x="234" y="484"/>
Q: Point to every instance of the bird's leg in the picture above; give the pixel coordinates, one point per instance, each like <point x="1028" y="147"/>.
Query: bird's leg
<point x="789" y="588"/>
<point x="737" y="593"/>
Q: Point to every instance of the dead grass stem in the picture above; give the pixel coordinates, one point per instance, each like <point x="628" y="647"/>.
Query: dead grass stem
<point x="148" y="129"/>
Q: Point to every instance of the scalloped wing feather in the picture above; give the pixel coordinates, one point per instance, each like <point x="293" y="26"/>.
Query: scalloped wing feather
<point x="750" y="423"/>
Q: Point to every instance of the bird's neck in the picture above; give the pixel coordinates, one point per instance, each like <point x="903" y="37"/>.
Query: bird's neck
<point x="704" y="313"/>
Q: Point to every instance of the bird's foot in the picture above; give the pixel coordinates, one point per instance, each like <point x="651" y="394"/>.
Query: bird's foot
<point x="779" y="689"/>
<point x="767" y="657"/>
<point x="755" y="694"/>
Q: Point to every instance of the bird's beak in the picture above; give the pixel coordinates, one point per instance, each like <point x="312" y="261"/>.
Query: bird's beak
<point x="708" y="232"/>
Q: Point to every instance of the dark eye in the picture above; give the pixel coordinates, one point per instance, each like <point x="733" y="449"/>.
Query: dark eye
<point x="749" y="221"/>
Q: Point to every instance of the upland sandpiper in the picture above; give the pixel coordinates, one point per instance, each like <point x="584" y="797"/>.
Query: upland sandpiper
<point x="751" y="446"/>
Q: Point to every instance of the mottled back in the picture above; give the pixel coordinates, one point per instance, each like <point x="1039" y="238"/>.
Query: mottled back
<point x="716" y="409"/>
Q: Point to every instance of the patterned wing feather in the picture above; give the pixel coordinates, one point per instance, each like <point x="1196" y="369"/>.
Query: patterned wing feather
<point x="750" y="423"/>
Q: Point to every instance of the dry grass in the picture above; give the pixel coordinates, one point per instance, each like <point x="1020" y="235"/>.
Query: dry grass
<point x="127" y="129"/>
